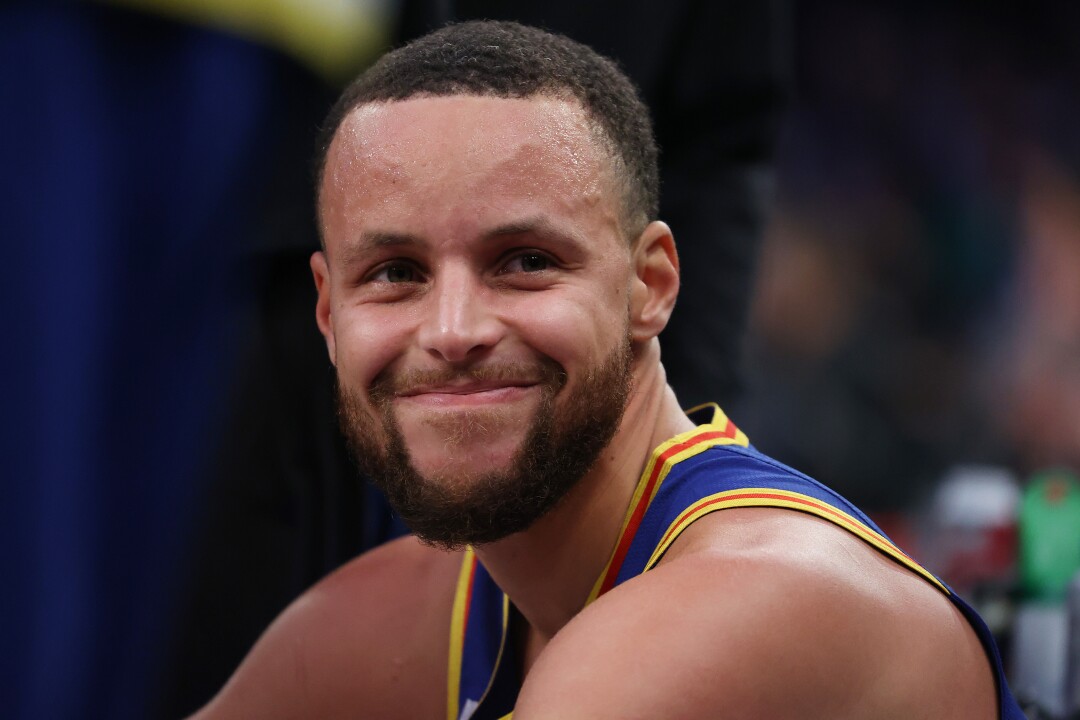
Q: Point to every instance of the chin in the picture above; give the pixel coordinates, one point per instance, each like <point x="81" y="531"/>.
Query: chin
<point x="485" y="436"/>
<point x="457" y="464"/>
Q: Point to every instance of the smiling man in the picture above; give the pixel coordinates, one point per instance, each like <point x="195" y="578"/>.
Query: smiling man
<point x="484" y="353"/>
<point x="491" y="290"/>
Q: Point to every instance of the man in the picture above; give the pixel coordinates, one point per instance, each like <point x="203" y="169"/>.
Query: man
<point x="491" y="289"/>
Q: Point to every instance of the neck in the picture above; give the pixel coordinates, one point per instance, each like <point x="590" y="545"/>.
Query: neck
<point x="549" y="569"/>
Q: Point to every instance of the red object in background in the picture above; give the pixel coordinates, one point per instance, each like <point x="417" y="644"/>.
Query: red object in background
<point x="971" y="536"/>
<point x="981" y="555"/>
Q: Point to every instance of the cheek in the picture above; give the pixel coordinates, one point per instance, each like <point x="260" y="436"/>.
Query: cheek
<point x="574" y="331"/>
<point x="367" y="342"/>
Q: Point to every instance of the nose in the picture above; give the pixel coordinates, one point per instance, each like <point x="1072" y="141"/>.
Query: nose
<point x="459" y="321"/>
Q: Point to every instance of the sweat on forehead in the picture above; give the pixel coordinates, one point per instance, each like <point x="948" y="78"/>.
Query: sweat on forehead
<point x="532" y="143"/>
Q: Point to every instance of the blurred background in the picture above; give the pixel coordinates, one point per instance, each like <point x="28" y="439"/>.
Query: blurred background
<point x="877" y="206"/>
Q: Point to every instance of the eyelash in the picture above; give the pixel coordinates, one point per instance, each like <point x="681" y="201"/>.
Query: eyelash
<point x="522" y="254"/>
<point x="391" y="265"/>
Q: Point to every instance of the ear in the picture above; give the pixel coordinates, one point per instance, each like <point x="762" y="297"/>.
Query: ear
<point x="656" y="282"/>
<point x="323" y="317"/>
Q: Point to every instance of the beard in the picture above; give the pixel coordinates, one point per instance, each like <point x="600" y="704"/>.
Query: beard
<point x="561" y="444"/>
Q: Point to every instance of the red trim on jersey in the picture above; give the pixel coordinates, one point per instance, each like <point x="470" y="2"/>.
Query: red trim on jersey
<point x="627" y="538"/>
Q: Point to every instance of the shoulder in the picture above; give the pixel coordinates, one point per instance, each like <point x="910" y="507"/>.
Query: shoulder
<point x="768" y="613"/>
<point x="370" y="639"/>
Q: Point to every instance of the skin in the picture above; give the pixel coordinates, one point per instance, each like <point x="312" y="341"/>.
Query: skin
<point x="463" y="231"/>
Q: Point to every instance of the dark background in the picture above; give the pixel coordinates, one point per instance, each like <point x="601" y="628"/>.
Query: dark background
<point x="902" y="180"/>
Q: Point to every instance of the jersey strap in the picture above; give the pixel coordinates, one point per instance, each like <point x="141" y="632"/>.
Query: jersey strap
<point x="719" y="430"/>
<point x="479" y="627"/>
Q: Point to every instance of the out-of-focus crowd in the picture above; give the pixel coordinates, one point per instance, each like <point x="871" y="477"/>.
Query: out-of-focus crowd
<point x="915" y="336"/>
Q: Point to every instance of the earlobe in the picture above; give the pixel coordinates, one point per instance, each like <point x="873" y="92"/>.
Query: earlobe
<point x="323" y="316"/>
<point x="656" y="284"/>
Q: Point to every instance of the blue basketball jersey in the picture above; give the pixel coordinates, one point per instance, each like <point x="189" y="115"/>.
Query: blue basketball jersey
<point x="708" y="469"/>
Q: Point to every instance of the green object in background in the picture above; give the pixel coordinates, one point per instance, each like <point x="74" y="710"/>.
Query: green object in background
<point x="1049" y="528"/>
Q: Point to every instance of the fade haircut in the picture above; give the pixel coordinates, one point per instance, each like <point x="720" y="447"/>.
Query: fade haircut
<point x="510" y="60"/>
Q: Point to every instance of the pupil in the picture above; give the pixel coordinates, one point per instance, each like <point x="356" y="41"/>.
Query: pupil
<point x="397" y="273"/>
<point x="532" y="263"/>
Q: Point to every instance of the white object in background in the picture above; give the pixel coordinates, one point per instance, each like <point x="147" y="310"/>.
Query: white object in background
<point x="1040" y="636"/>
<point x="974" y="496"/>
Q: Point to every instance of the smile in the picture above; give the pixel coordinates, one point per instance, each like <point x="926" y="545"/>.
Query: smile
<point x="471" y="395"/>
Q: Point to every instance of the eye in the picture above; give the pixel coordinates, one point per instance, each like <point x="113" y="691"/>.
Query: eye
<point x="528" y="262"/>
<point x="395" y="272"/>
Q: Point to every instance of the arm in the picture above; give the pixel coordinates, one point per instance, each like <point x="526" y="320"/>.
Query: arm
<point x="822" y="629"/>
<point x="368" y="641"/>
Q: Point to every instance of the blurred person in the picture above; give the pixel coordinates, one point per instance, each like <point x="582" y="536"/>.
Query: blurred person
<point x="1034" y="362"/>
<point x="491" y="291"/>
<point x="844" y="380"/>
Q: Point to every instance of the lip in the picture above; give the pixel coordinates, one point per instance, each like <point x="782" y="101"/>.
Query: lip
<point x="471" y="394"/>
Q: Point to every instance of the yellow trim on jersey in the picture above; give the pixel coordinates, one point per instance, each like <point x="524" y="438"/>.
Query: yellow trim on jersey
<point x="721" y="420"/>
<point x="458" y="618"/>
<point x="744" y="497"/>
<point x="720" y="424"/>
<point x="333" y="37"/>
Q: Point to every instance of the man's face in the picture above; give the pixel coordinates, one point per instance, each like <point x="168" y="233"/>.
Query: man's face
<point x="475" y="297"/>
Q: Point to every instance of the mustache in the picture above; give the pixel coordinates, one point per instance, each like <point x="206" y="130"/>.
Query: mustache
<point x="544" y="372"/>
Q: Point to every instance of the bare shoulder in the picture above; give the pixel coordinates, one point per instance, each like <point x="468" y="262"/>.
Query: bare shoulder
<point x="370" y="640"/>
<point x="765" y="613"/>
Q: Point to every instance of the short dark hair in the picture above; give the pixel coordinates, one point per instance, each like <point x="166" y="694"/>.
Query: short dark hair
<point x="510" y="60"/>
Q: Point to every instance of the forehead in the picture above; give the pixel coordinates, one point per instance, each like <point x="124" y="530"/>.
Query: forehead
<point x="460" y="149"/>
<point x="482" y="125"/>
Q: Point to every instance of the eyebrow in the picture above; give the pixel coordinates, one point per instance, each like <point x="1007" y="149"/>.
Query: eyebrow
<point x="373" y="240"/>
<point x="538" y="225"/>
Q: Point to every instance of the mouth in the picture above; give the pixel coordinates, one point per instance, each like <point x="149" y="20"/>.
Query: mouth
<point x="472" y="394"/>
<point x="470" y="388"/>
